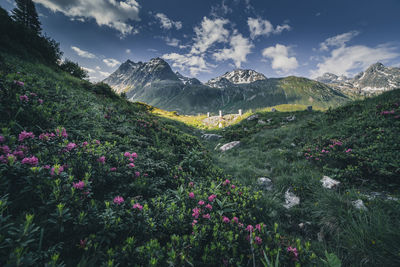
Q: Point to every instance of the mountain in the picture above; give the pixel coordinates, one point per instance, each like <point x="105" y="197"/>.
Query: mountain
<point x="374" y="80"/>
<point x="156" y="84"/>
<point x="237" y="76"/>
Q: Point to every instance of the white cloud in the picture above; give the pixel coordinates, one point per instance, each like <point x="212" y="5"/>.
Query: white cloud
<point x="258" y="27"/>
<point x="344" y="59"/>
<point x="338" y="40"/>
<point x="82" y="53"/>
<point x="280" y="58"/>
<point x="167" y="23"/>
<point x="111" y="13"/>
<point x="193" y="63"/>
<point x="104" y="74"/>
<point x="128" y="51"/>
<point x="89" y="70"/>
<point x="111" y="62"/>
<point x="98" y="68"/>
<point x="209" y="32"/>
<point x="172" y="41"/>
<point x="240" y="48"/>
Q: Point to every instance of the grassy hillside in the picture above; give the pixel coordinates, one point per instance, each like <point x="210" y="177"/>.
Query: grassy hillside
<point x="88" y="178"/>
<point x="356" y="144"/>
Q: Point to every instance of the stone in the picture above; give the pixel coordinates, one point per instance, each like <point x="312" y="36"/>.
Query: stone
<point x="291" y="200"/>
<point x="359" y="204"/>
<point x="229" y="146"/>
<point x="211" y="136"/>
<point x="291" y="118"/>
<point x="265" y="183"/>
<point x="328" y="182"/>
<point x="309" y="108"/>
<point x="252" y="117"/>
<point x="261" y="122"/>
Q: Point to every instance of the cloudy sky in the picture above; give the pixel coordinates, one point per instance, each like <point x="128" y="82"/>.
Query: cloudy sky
<point x="206" y="38"/>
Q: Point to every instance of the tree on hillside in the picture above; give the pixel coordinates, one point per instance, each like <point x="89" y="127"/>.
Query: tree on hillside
<point x="25" y="14"/>
<point x="74" y="69"/>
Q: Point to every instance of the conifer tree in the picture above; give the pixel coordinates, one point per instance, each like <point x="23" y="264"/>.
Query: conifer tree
<point x="25" y="14"/>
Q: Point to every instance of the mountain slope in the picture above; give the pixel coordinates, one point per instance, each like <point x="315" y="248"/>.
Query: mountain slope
<point x="239" y="89"/>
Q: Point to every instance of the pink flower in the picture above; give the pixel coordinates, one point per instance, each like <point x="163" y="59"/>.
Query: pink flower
<point x="40" y="101"/>
<point x="348" y="150"/>
<point x="19" y="154"/>
<point x="127" y="154"/>
<point x="33" y="94"/>
<point x="240" y="193"/>
<point x="30" y="161"/>
<point x="194" y="223"/>
<point x="228" y="193"/>
<point x="137" y="174"/>
<point x="118" y="200"/>
<point x="3" y="159"/>
<point x="131" y="165"/>
<point x="97" y="142"/>
<point x="208" y="206"/>
<point x="226" y="182"/>
<point x="137" y="206"/>
<point x="47" y="167"/>
<point x="113" y="169"/>
<point x="233" y="186"/>
<point x="79" y="185"/>
<point x="134" y="155"/>
<point x="191" y="184"/>
<point x="258" y="240"/>
<point x="196" y="212"/>
<point x="226" y="219"/>
<point x="259" y="226"/>
<point x="71" y="146"/>
<point x="235" y="219"/>
<point x="131" y="159"/>
<point x="19" y="83"/>
<point x="82" y="243"/>
<point x="5" y="149"/>
<point x="24" y="98"/>
<point x="211" y="197"/>
<point x="102" y="159"/>
<point x="63" y="133"/>
<point x="191" y="195"/>
<point x="201" y="203"/>
<point x="249" y="228"/>
<point x="294" y="251"/>
<point x="206" y="216"/>
<point x="23" y="135"/>
<point x="2" y="139"/>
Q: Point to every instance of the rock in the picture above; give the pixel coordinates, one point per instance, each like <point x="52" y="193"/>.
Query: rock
<point x="328" y="182"/>
<point x="359" y="204"/>
<point x="211" y="136"/>
<point x="293" y="144"/>
<point x="291" y="118"/>
<point x="265" y="183"/>
<point x="252" y="117"/>
<point x="291" y="200"/>
<point x="229" y="146"/>
<point x="261" y="122"/>
<point x="309" y="108"/>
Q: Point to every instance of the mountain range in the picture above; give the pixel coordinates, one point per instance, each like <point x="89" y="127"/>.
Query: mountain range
<point x="155" y="83"/>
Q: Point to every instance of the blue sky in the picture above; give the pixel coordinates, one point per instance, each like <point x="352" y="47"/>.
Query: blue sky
<point x="204" y="39"/>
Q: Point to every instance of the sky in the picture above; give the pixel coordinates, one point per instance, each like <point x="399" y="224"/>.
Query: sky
<point x="206" y="38"/>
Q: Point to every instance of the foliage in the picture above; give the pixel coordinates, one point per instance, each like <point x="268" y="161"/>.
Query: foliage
<point x="25" y="14"/>
<point x="74" y="69"/>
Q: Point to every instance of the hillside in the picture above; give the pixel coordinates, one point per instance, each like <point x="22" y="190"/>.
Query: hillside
<point x="154" y="83"/>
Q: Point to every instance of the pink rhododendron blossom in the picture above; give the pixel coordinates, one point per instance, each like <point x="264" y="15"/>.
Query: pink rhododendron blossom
<point x="137" y="174"/>
<point x="127" y="154"/>
<point x="212" y="197"/>
<point x="33" y="94"/>
<point x="24" y="98"/>
<point x="62" y="133"/>
<point x="84" y="144"/>
<point x="40" y="101"/>
<point x="259" y="226"/>
<point x="131" y="159"/>
<point x="82" y="243"/>
<point x="201" y="203"/>
<point x="30" y="161"/>
<point x="258" y="240"/>
<point x="235" y="219"/>
<point x="194" y="223"/>
<point x="2" y="139"/>
<point x="19" y="83"/>
<point x="97" y="142"/>
<point x="249" y="228"/>
<point x="19" y="154"/>
<point x="113" y="169"/>
<point x="71" y="146"/>
<point x="79" y="185"/>
<point x="3" y="159"/>
<point x="208" y="206"/>
<point x="348" y="150"/>
<point x="206" y="216"/>
<point x="137" y="206"/>
<point x="118" y="200"/>
<point x="294" y="251"/>
<point x="226" y="182"/>
<point x="134" y="155"/>
<point x="233" y="186"/>
<point x="191" y="184"/>
<point x="226" y="219"/>
<point x="102" y="159"/>
<point x="131" y="165"/>
<point x="5" y="149"/>
<point x="191" y="195"/>
<point x="196" y="212"/>
<point x="24" y="135"/>
<point x="47" y="167"/>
